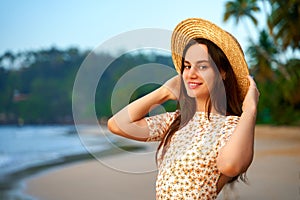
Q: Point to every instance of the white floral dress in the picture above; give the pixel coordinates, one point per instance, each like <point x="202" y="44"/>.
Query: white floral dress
<point x="188" y="169"/>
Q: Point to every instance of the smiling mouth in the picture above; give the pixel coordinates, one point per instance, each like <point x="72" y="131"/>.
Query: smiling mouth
<point x="193" y="85"/>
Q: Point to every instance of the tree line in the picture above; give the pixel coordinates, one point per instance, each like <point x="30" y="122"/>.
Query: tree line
<point x="36" y="87"/>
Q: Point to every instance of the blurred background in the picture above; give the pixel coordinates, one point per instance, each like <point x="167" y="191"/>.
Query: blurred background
<point x="43" y="44"/>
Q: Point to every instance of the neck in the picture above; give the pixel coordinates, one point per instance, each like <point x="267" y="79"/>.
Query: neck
<point x="202" y="107"/>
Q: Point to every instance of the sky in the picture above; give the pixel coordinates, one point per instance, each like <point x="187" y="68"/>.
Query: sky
<point x="41" y="24"/>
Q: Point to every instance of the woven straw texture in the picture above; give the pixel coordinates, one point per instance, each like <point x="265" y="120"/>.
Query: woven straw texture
<point x="199" y="28"/>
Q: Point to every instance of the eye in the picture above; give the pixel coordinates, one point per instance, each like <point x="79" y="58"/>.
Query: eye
<point x="187" y="66"/>
<point x="202" y="67"/>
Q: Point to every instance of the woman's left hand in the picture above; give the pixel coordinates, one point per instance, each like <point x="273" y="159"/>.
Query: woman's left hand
<point x="251" y="99"/>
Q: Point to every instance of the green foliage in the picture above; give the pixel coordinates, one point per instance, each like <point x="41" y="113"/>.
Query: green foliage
<point x="284" y="23"/>
<point x="39" y="90"/>
<point x="115" y="71"/>
<point x="275" y="69"/>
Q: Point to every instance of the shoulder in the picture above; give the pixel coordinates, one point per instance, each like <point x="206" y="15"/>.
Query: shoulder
<point x="159" y="124"/>
<point x="230" y="124"/>
<point x="167" y="116"/>
<point x="232" y="120"/>
<point x="174" y="115"/>
<point x="228" y="128"/>
<point x="163" y="120"/>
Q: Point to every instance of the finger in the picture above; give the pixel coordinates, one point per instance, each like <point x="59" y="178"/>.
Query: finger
<point x="253" y="85"/>
<point x="252" y="82"/>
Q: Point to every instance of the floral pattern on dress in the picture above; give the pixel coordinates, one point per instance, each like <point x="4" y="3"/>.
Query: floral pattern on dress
<point x="188" y="169"/>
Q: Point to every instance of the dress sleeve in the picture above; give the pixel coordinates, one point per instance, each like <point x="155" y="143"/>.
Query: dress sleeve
<point x="228" y="128"/>
<point x="159" y="124"/>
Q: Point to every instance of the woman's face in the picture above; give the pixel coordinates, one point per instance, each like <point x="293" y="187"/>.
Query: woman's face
<point x="198" y="74"/>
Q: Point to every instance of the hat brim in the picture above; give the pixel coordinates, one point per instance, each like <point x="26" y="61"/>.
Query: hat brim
<point x="193" y="28"/>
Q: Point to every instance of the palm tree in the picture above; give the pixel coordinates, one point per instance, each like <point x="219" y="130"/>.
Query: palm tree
<point x="241" y="10"/>
<point x="291" y="86"/>
<point x="8" y="57"/>
<point x="284" y="23"/>
<point x="262" y="58"/>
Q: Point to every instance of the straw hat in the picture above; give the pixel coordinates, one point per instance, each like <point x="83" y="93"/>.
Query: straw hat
<point x="199" y="28"/>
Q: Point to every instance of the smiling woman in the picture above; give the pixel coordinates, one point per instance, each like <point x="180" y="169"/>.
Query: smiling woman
<point x="208" y="141"/>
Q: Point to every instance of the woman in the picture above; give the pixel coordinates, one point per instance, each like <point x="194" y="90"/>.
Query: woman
<point x="208" y="141"/>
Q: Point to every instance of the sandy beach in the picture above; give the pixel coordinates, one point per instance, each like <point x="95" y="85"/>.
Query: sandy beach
<point x="274" y="173"/>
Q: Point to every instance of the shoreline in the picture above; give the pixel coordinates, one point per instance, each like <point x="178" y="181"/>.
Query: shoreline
<point x="13" y="184"/>
<point x="274" y="173"/>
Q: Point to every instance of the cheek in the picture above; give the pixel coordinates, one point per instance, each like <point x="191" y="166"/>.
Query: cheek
<point x="209" y="78"/>
<point x="184" y="73"/>
<point x="184" y="76"/>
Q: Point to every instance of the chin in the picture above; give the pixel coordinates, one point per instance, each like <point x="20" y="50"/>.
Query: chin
<point x="191" y="94"/>
<point x="197" y="95"/>
<point x="194" y="94"/>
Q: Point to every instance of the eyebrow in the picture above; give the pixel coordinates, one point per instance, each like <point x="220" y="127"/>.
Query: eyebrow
<point x="197" y="62"/>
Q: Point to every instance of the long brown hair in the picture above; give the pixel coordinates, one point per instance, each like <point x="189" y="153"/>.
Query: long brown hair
<point x="187" y="105"/>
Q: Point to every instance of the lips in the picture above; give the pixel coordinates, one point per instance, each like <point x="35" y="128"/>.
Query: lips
<point x="193" y="85"/>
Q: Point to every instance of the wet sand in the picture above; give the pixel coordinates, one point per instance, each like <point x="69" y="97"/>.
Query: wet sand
<point x="274" y="173"/>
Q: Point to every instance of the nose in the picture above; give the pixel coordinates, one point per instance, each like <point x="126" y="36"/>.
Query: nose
<point x="193" y="72"/>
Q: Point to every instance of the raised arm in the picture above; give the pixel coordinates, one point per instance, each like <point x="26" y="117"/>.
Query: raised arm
<point x="130" y="121"/>
<point x="236" y="156"/>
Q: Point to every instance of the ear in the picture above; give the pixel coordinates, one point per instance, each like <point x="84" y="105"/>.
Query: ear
<point x="223" y="75"/>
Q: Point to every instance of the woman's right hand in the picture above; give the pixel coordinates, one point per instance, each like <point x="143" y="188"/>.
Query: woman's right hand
<point x="172" y="88"/>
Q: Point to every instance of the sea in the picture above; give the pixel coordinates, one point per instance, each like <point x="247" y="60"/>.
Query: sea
<point x="27" y="150"/>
